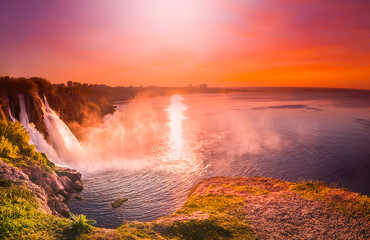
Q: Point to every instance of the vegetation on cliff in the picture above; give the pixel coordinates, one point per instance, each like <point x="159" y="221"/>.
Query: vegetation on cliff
<point x="20" y="217"/>
<point x="342" y="200"/>
<point x="75" y="105"/>
<point x="22" y="164"/>
<point x="16" y="150"/>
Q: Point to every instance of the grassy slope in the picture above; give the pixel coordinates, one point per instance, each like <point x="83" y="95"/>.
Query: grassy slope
<point x="342" y="200"/>
<point x="20" y="217"/>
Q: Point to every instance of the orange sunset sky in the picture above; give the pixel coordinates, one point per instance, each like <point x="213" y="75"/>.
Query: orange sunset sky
<point x="227" y="43"/>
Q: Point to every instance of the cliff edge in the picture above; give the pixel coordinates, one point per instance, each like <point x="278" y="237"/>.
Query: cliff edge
<point x="76" y="106"/>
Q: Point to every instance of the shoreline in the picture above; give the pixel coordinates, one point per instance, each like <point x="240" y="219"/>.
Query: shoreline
<point x="250" y="208"/>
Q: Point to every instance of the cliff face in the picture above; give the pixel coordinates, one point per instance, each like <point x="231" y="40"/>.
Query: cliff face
<point x="74" y="105"/>
<point x="52" y="189"/>
<point x="21" y="163"/>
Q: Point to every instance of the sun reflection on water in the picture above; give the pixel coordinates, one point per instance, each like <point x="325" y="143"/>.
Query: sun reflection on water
<point x="176" y="117"/>
<point x="178" y="156"/>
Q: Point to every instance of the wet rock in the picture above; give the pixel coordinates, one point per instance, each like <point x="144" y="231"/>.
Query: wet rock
<point x="119" y="202"/>
<point x="72" y="174"/>
<point x="77" y="186"/>
<point x="78" y="197"/>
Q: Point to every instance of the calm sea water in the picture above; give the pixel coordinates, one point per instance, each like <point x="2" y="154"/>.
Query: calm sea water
<point x="291" y="134"/>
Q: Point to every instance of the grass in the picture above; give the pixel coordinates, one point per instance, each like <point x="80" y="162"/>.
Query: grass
<point x="20" y="217"/>
<point x="251" y="190"/>
<point x="205" y="229"/>
<point x="226" y="220"/>
<point x="138" y="230"/>
<point x="341" y="199"/>
<point x="213" y="204"/>
<point x="16" y="150"/>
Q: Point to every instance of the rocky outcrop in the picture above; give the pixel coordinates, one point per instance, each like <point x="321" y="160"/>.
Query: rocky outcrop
<point x="52" y="189"/>
<point x="70" y="174"/>
<point x="18" y="176"/>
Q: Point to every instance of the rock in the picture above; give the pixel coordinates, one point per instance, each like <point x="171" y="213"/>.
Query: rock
<point x="65" y="194"/>
<point x="34" y="173"/>
<point x="77" y="186"/>
<point x="70" y="173"/>
<point x="62" y="209"/>
<point x="51" y="190"/>
<point x="12" y="173"/>
<point x="18" y="176"/>
<point x="66" y="182"/>
<point x="119" y="202"/>
<point x="55" y="184"/>
<point x="78" y="197"/>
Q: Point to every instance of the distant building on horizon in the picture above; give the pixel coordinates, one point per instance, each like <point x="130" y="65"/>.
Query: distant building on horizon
<point x="203" y="86"/>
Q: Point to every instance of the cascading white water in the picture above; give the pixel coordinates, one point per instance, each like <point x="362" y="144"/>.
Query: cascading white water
<point x="63" y="147"/>
<point x="60" y="136"/>
<point x="37" y="138"/>
<point x="127" y="139"/>
<point x="10" y="112"/>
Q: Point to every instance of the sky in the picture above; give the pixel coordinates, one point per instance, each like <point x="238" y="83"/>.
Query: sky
<point x="224" y="43"/>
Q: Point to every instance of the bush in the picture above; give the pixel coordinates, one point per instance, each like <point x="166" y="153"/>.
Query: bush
<point x="7" y="149"/>
<point x="80" y="223"/>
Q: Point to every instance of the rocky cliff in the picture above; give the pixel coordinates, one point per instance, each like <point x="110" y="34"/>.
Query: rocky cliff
<point x="22" y="164"/>
<point x="52" y="189"/>
<point x="75" y="105"/>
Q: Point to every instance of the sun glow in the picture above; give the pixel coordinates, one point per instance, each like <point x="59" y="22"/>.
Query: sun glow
<point x="167" y="24"/>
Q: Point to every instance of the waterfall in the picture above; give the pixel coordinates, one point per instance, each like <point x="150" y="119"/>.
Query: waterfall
<point x="10" y="112"/>
<point x="63" y="147"/>
<point x="36" y="138"/>
<point x="60" y="136"/>
<point x="121" y="141"/>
